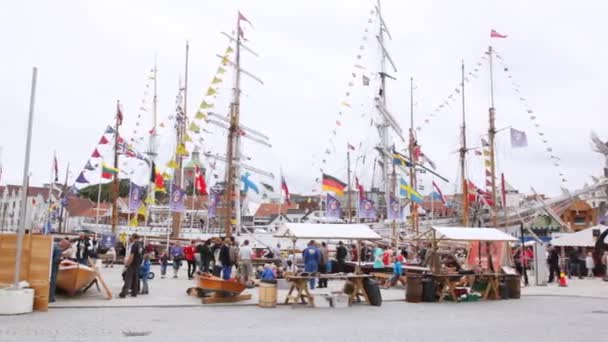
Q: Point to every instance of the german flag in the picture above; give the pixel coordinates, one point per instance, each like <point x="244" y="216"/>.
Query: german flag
<point x="333" y="184"/>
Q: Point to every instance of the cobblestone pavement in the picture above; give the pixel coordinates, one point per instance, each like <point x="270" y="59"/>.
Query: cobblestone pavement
<point x="528" y="319"/>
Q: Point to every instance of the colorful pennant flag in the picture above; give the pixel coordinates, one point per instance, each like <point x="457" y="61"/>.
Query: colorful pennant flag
<point x="181" y="150"/>
<point x="82" y="179"/>
<point x="194" y="127"/>
<point x="211" y="91"/>
<point x="95" y="154"/>
<point x="216" y="80"/>
<point x="200" y="115"/>
<point x="109" y="130"/>
<point x="172" y="164"/>
<point x="494" y="34"/>
<point x="108" y="172"/>
<point x="205" y="105"/>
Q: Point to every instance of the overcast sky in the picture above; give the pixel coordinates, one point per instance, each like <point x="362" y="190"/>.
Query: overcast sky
<point x="91" y="53"/>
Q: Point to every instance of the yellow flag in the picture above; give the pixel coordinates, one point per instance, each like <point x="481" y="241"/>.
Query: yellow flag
<point x="205" y="105"/>
<point x="211" y="91"/>
<point x="194" y="127"/>
<point x="181" y="150"/>
<point x="172" y="164"/>
<point x="221" y="70"/>
<point x="134" y="222"/>
<point x="229" y="50"/>
<point x="200" y="115"/>
<point x="187" y="137"/>
<point x="143" y="211"/>
<point x="486" y="153"/>
<point x="150" y="200"/>
<point x="225" y="60"/>
<point x="166" y="175"/>
<point x="345" y="104"/>
<point x="488" y="163"/>
<point x="216" y="80"/>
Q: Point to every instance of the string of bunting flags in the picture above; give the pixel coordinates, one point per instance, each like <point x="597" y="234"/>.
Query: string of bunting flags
<point x="358" y="76"/>
<point x="454" y="95"/>
<point x="532" y="116"/>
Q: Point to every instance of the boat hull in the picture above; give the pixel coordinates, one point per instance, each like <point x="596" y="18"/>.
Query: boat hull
<point x="209" y="282"/>
<point x="73" y="278"/>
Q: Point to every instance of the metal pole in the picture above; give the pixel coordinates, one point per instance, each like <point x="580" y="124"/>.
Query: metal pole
<point x="115" y="184"/>
<point x="348" y="194"/>
<point x="463" y="155"/>
<point x="26" y="168"/>
<point x="98" y="195"/>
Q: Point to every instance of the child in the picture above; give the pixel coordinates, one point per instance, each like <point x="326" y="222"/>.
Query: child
<point x="144" y="271"/>
<point x="590" y="264"/>
<point x="397" y="272"/>
<point x="268" y="274"/>
<point x="164" y="261"/>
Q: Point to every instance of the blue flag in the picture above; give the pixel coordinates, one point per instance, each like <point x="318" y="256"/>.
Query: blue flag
<point x="333" y="208"/>
<point x="249" y="184"/>
<point x="81" y="178"/>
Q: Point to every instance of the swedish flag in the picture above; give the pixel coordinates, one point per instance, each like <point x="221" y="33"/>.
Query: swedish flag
<point x="400" y="160"/>
<point x="406" y="191"/>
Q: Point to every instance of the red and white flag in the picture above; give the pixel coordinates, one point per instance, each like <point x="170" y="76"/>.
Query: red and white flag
<point x="494" y="34"/>
<point x="285" y="189"/>
<point x="439" y="192"/>
<point x="242" y="18"/>
<point x="199" y="182"/>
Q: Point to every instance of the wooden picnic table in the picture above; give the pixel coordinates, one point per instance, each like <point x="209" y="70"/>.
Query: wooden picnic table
<point x="448" y="283"/>
<point x="299" y="283"/>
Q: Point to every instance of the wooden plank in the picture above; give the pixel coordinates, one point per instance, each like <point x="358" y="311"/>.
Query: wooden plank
<point x="232" y="299"/>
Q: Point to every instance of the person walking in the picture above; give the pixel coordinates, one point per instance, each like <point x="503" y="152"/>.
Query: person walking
<point x="206" y="256"/>
<point x="312" y="257"/>
<point x="225" y="259"/>
<point x="590" y="265"/>
<point x="110" y="257"/>
<point x="244" y="261"/>
<point x="164" y="262"/>
<point x="574" y="263"/>
<point x="58" y="249"/>
<point x="323" y="264"/>
<point x="189" y="256"/>
<point x="83" y="249"/>
<point x="197" y="254"/>
<point x="177" y="255"/>
<point x="132" y="262"/>
<point x="553" y="261"/>
<point x="144" y="271"/>
<point x="341" y="254"/>
<point x="378" y="253"/>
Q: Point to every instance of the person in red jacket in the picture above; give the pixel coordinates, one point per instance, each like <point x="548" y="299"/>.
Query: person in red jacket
<point x="189" y="256"/>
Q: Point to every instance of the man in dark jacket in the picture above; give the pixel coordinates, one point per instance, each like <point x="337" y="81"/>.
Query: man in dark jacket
<point x="132" y="262"/>
<point x="206" y="255"/>
<point x="225" y="259"/>
<point x="84" y="248"/>
<point x="553" y="261"/>
<point x="341" y="254"/>
<point x="574" y="263"/>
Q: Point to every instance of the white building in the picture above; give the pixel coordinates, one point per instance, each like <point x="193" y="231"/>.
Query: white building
<point x="37" y="206"/>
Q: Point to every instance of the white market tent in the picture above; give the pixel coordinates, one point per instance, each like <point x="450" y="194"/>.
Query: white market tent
<point x="311" y="231"/>
<point x="582" y="238"/>
<point x="471" y="234"/>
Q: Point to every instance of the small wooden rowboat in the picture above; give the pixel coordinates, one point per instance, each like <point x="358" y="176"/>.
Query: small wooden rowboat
<point x="209" y="282"/>
<point x="73" y="277"/>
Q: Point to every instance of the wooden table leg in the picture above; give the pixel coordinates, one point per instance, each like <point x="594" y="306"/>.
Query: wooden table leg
<point x="442" y="286"/>
<point x="358" y="290"/>
<point x="452" y="290"/>
<point x="291" y="288"/>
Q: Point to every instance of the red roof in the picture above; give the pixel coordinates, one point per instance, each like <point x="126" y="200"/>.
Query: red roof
<point x="269" y="209"/>
<point x="79" y="206"/>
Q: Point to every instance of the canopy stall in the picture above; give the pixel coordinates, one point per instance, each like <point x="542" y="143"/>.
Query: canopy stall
<point x="582" y="238"/>
<point x="315" y="231"/>
<point x="477" y="236"/>
<point x="471" y="234"/>
<point x="311" y="231"/>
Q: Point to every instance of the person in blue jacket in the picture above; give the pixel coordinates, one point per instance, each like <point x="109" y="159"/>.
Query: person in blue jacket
<point x="312" y="258"/>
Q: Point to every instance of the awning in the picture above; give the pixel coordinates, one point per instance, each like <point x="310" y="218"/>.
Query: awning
<point x="582" y="238"/>
<point x="472" y="234"/>
<point x="311" y="231"/>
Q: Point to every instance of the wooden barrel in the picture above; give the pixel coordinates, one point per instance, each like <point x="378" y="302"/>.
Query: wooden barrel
<point x="268" y="295"/>
<point x="413" y="292"/>
<point x="514" y="286"/>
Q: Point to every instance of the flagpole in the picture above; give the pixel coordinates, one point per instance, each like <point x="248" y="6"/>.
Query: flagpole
<point x="98" y="194"/>
<point x="48" y="209"/>
<point x="26" y="167"/>
<point x="169" y="216"/>
<point x="115" y="186"/>
<point x="129" y="204"/>
<point x="193" y="194"/>
<point x="348" y="194"/>
<point x="491" y="137"/>
<point x="463" y="155"/>
<point x="64" y="195"/>
<point x="413" y="206"/>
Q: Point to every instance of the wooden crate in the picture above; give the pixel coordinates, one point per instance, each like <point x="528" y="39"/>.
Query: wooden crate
<point x="35" y="264"/>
